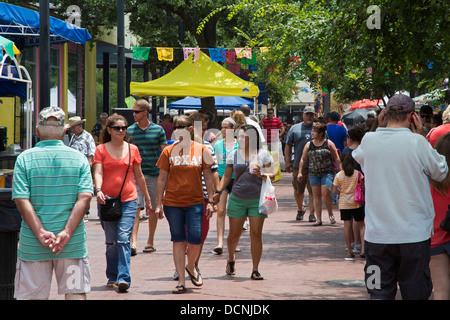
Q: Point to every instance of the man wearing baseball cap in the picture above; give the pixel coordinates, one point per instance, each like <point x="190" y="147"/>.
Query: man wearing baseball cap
<point x="297" y="137"/>
<point x="52" y="188"/>
<point x="397" y="164"/>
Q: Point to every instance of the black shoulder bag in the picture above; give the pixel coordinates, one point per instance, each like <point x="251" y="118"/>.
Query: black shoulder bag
<point x="112" y="209"/>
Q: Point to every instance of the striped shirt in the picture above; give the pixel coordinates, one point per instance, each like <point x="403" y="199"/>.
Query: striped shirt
<point x="347" y="187"/>
<point x="214" y="168"/>
<point x="51" y="175"/>
<point x="148" y="142"/>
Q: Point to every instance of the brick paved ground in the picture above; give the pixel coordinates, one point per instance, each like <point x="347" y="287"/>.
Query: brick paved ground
<point x="299" y="262"/>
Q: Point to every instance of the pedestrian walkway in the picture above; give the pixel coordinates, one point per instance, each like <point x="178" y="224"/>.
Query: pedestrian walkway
<point x="299" y="262"/>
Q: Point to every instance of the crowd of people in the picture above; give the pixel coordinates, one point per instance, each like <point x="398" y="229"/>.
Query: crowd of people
<point x="187" y="176"/>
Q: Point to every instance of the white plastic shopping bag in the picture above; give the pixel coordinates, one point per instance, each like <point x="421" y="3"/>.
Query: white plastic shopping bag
<point x="267" y="200"/>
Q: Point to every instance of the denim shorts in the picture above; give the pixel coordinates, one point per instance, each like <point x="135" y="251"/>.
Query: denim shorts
<point x="185" y="223"/>
<point x="443" y="248"/>
<point x="323" y="180"/>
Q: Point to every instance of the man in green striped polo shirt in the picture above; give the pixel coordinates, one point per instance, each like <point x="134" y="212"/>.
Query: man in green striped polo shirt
<point x="150" y="139"/>
<point x="52" y="188"/>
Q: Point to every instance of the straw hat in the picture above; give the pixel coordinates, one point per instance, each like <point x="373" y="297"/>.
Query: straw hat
<point x="74" y="121"/>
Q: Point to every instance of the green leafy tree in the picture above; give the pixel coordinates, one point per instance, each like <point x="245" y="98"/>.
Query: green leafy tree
<point x="361" y="52"/>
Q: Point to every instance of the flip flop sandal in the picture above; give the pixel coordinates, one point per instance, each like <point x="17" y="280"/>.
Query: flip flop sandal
<point x="179" y="289"/>
<point x="256" y="276"/>
<point x="149" y="249"/>
<point x="218" y="250"/>
<point x="195" y="280"/>
<point x="230" y="270"/>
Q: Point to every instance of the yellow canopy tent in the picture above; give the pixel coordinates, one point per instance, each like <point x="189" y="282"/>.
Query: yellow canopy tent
<point x="201" y="78"/>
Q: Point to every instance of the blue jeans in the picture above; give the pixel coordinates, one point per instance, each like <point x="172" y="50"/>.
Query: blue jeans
<point x="118" y="244"/>
<point x="323" y="180"/>
<point x="185" y="223"/>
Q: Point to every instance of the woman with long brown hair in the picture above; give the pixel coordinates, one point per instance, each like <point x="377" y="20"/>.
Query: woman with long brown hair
<point x="112" y="159"/>
<point x="440" y="239"/>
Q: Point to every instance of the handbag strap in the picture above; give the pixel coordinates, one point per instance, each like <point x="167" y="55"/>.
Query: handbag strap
<point x="359" y="177"/>
<point x="129" y="162"/>
<point x="235" y="161"/>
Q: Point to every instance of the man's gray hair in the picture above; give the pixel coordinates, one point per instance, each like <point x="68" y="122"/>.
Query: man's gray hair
<point x="50" y="132"/>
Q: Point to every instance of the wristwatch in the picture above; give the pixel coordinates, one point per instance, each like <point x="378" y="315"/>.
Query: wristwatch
<point x="212" y="202"/>
<point x="219" y="191"/>
<point x="97" y="190"/>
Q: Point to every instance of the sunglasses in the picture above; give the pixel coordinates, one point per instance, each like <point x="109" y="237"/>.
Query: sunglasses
<point x="179" y="127"/>
<point x="118" y="128"/>
<point x="138" y="111"/>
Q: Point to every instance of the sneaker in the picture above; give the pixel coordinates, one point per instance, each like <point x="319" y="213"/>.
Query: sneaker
<point x="357" y="249"/>
<point x="300" y="214"/>
<point x="311" y="218"/>
<point x="305" y="202"/>
<point x="123" y="287"/>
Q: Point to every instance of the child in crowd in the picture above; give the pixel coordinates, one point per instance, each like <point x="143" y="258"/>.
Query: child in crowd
<point x="345" y="184"/>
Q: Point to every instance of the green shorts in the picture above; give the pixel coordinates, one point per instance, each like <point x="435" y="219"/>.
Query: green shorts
<point x="243" y="208"/>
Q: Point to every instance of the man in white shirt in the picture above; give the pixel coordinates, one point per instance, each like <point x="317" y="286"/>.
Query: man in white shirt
<point x="245" y="108"/>
<point x="397" y="165"/>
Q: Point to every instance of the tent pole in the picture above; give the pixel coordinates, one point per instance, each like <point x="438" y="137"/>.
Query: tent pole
<point x="44" y="56"/>
<point x="120" y="54"/>
<point x="165" y="105"/>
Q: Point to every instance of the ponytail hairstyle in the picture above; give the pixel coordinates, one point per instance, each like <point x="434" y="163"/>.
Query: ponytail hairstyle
<point x="348" y="163"/>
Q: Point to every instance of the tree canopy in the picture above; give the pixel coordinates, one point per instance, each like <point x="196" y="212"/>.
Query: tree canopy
<point x="360" y="50"/>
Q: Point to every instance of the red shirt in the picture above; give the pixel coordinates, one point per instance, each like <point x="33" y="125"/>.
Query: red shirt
<point x="269" y="125"/>
<point x="168" y="129"/>
<point x="437" y="132"/>
<point x="440" y="208"/>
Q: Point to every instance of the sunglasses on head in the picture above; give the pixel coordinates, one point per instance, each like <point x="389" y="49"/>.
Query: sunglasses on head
<point x="118" y="128"/>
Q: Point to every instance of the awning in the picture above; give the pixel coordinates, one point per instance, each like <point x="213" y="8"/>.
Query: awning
<point x="200" y="78"/>
<point x="19" y="22"/>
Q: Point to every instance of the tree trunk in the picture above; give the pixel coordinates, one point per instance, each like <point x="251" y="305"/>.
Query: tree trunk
<point x="209" y="109"/>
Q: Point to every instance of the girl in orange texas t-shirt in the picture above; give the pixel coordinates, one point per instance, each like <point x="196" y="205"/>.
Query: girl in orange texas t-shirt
<point x="179" y="189"/>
